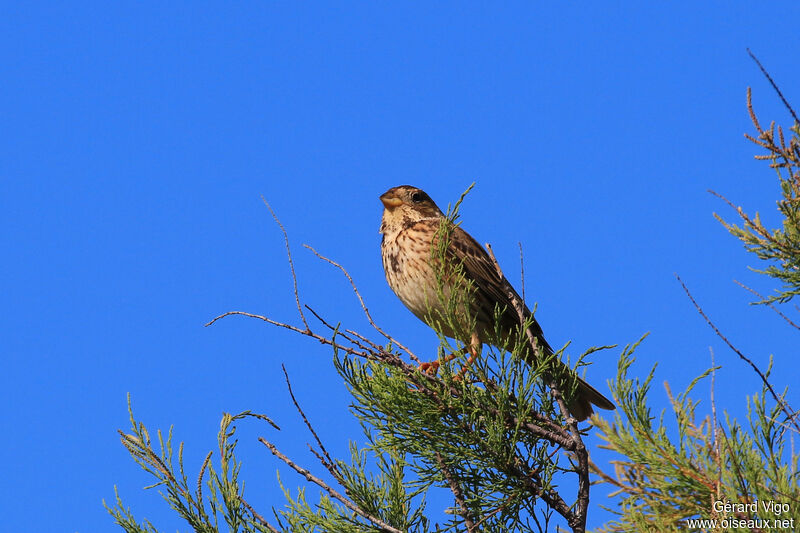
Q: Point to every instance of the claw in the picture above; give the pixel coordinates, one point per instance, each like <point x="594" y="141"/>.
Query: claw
<point x="474" y="349"/>
<point x="431" y="368"/>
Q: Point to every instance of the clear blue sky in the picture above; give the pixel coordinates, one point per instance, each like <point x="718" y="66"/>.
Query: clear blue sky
<point x="137" y="140"/>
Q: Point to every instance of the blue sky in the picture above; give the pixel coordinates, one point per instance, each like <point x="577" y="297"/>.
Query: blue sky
<point x="138" y="139"/>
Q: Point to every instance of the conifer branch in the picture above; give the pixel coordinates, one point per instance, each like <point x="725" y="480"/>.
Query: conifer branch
<point x="363" y="305"/>
<point x="458" y="493"/>
<point x="327" y="488"/>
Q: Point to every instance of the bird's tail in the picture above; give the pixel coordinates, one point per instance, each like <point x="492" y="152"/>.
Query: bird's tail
<point x="580" y="406"/>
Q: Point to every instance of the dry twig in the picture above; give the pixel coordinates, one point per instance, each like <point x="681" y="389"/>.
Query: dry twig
<point x="327" y="488"/>
<point x="261" y="520"/>
<point x="291" y="263"/>
<point x="363" y="305"/>
<point x="791" y="416"/>
<point x="326" y="459"/>
<point x="770" y="304"/>
<point x="774" y="85"/>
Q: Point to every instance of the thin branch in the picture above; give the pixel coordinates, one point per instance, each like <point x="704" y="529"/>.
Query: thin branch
<point x="553" y="499"/>
<point x="327" y="488"/>
<point x="336" y="332"/>
<point x="363" y="305"/>
<point x="770" y="304"/>
<point x="260" y="519"/>
<point x="784" y="406"/>
<point x="774" y="85"/>
<point x="346" y="335"/>
<point x="307" y="333"/>
<point x="749" y="221"/>
<point x="614" y="481"/>
<point x="458" y="493"/>
<point x="363" y="339"/>
<point x="331" y="465"/>
<point x="491" y="514"/>
<point x="291" y="263"/>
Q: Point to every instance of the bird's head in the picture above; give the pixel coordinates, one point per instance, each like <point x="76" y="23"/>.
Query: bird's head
<point x="406" y="205"/>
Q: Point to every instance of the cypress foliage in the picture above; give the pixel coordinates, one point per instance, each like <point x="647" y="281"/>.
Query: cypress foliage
<point x="683" y="482"/>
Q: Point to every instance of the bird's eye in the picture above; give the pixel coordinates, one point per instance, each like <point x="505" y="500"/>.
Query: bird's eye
<point x="417" y="196"/>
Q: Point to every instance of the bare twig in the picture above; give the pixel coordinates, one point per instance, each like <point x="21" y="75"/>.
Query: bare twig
<point x="363" y="339"/>
<point x="784" y="406"/>
<point x="360" y="340"/>
<point x="261" y="520"/>
<point x="291" y="263"/>
<point x="770" y="304"/>
<point x="327" y="488"/>
<point x="458" y="493"/>
<point x="363" y="305"/>
<point x="749" y="221"/>
<point x="774" y="85"/>
<point x="331" y="465"/>
<point x="335" y="329"/>
<point x="308" y="333"/>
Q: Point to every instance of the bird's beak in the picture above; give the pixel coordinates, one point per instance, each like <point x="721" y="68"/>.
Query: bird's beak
<point x="390" y="202"/>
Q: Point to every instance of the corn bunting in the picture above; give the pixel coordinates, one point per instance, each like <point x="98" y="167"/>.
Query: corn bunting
<point x="426" y="282"/>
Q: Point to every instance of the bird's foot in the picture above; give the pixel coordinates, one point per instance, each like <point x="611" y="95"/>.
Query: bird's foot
<point x="431" y="368"/>
<point x="463" y="371"/>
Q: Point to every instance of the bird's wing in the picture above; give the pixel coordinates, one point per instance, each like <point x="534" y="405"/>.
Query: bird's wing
<point x="488" y="284"/>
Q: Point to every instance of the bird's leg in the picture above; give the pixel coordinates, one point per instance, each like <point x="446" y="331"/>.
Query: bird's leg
<point x="432" y="368"/>
<point x="474" y="350"/>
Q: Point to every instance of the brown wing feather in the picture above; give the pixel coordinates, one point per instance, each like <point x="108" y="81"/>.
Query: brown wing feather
<point x="491" y="290"/>
<point x="489" y="286"/>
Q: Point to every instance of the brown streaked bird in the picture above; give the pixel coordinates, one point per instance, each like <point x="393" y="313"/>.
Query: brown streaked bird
<point x="411" y="227"/>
